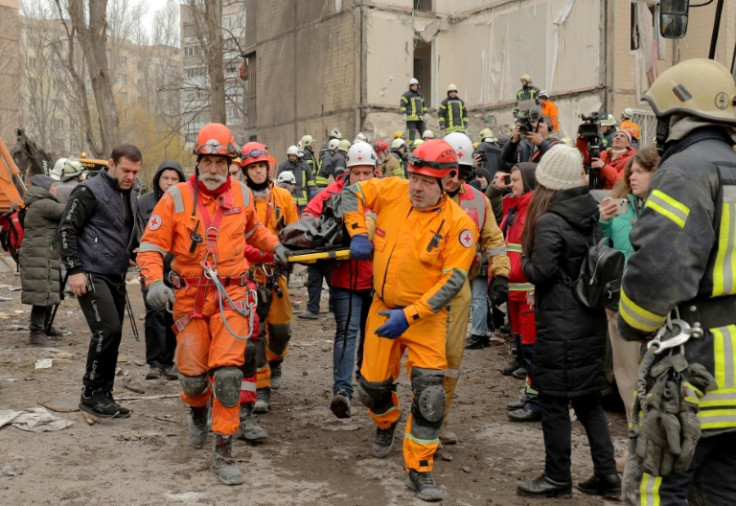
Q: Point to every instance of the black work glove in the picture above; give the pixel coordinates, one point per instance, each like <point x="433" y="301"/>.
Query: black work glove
<point x="499" y="290"/>
<point x="279" y="257"/>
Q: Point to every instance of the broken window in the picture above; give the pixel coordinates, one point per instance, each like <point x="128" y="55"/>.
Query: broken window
<point x="423" y="5"/>
<point x="644" y="21"/>
<point x="423" y="69"/>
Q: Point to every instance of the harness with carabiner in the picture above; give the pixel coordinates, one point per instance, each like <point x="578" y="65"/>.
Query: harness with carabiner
<point x="210" y="278"/>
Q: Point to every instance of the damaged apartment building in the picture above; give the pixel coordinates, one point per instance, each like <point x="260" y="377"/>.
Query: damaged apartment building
<point x="317" y="64"/>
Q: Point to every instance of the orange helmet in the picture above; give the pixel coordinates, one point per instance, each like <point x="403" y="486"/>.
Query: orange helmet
<point x="254" y="152"/>
<point x="215" y="139"/>
<point x="380" y="146"/>
<point x="433" y="158"/>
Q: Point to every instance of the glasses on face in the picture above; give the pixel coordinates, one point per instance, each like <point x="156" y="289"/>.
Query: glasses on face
<point x="255" y="154"/>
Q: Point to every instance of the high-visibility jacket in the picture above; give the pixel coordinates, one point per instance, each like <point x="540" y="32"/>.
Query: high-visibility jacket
<point x="491" y="246"/>
<point x="549" y="109"/>
<point x="173" y="223"/>
<point x="514" y="210"/>
<point x="304" y="180"/>
<point x="412" y="104"/>
<point x="627" y="124"/>
<point x="453" y="115"/>
<point x="390" y="167"/>
<point x="421" y="258"/>
<point x="684" y="256"/>
<point x="276" y="209"/>
<point x="311" y="160"/>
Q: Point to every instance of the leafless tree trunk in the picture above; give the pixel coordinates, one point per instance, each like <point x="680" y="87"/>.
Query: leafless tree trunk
<point x="92" y="38"/>
<point x="213" y="55"/>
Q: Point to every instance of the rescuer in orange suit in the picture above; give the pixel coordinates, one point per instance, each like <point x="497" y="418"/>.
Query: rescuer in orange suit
<point x="422" y="249"/>
<point x="276" y="209"/>
<point x="205" y="224"/>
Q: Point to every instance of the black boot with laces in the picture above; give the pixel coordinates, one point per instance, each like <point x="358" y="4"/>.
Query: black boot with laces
<point x="424" y="485"/>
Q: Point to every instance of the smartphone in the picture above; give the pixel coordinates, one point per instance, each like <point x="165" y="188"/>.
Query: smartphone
<point x="507" y="180"/>
<point x="622" y="206"/>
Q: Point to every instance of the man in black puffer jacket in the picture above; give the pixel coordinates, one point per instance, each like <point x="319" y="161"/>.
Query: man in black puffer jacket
<point x="160" y="338"/>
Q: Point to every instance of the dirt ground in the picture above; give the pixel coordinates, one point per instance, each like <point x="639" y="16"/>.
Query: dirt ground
<point x="310" y="458"/>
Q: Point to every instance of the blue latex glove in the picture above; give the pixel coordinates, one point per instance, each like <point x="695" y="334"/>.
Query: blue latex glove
<point x="395" y="326"/>
<point x="361" y="247"/>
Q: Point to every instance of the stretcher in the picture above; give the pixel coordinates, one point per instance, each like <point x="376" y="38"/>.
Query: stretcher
<point x="307" y="256"/>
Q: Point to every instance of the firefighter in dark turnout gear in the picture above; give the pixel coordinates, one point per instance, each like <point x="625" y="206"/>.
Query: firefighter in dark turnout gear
<point x="413" y="109"/>
<point x="453" y="114"/>
<point x="683" y="260"/>
<point x="303" y="174"/>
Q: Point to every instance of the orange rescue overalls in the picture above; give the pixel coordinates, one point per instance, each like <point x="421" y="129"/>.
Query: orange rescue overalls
<point x="204" y="342"/>
<point x="420" y="262"/>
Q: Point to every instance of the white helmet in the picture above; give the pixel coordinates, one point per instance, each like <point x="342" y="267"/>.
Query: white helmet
<point x="413" y="81"/>
<point x="451" y="87"/>
<point x="293" y="150"/>
<point x="361" y="153"/>
<point x="335" y="133"/>
<point x="428" y="134"/>
<point x="58" y="169"/>
<point x="463" y="147"/>
<point x="543" y="93"/>
<point x="332" y="145"/>
<point x="361" y="137"/>
<point x="397" y="143"/>
<point x="287" y="177"/>
<point x="627" y="113"/>
<point x="306" y="141"/>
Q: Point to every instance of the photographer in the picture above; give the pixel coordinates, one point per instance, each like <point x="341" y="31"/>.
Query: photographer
<point x="612" y="161"/>
<point x="530" y="140"/>
<point x="488" y="153"/>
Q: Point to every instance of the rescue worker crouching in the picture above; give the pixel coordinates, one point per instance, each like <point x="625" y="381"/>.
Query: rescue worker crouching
<point x="490" y="257"/>
<point x="422" y="249"/>
<point x="682" y="260"/>
<point x="276" y="209"/>
<point x="205" y="223"/>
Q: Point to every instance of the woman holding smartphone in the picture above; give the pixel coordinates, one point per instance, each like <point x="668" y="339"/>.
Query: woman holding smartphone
<point x="616" y="223"/>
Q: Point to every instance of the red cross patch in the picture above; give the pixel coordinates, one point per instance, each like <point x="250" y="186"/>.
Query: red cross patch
<point x="460" y="154"/>
<point x="155" y="222"/>
<point x="466" y="238"/>
<point x="360" y="158"/>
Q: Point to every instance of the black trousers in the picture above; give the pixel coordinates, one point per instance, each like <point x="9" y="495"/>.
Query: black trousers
<point x="316" y="272"/>
<point x="160" y="338"/>
<point x="39" y="316"/>
<point x="415" y="129"/>
<point x="556" y="427"/>
<point x="104" y="308"/>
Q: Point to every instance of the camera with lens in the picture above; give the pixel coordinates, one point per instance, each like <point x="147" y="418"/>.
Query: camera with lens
<point x="528" y="117"/>
<point x="590" y="131"/>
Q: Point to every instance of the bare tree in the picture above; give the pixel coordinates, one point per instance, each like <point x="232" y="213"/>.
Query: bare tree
<point x="92" y="38"/>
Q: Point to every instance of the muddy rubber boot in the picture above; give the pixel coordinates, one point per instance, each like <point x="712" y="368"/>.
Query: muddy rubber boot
<point x="424" y="485"/>
<point x="198" y="426"/>
<point x="223" y="464"/>
<point x="249" y="428"/>
<point x="263" y="400"/>
<point x="275" y="366"/>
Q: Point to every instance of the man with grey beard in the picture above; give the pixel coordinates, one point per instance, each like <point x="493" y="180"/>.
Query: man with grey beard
<point x="205" y="224"/>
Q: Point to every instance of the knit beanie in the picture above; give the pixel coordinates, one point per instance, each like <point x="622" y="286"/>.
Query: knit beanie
<point x="528" y="176"/>
<point x="561" y="168"/>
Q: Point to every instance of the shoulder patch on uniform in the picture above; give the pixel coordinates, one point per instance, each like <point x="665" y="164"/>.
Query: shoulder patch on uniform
<point x="155" y="222"/>
<point x="466" y="238"/>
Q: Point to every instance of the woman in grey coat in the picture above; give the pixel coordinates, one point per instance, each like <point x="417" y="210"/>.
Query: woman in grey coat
<point x="39" y="253"/>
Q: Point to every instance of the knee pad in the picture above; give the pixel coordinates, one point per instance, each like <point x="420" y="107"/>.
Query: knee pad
<point x="249" y="365"/>
<point x="376" y="395"/>
<point x="194" y="385"/>
<point x="428" y="403"/>
<point x="278" y="338"/>
<point x="227" y="385"/>
<point x="259" y="352"/>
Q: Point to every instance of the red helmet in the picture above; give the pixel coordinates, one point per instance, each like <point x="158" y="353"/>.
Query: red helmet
<point x="433" y="158"/>
<point x="215" y="139"/>
<point x="380" y="146"/>
<point x="254" y="152"/>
